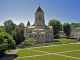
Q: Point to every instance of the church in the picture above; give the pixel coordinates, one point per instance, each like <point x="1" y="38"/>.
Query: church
<point x="39" y="31"/>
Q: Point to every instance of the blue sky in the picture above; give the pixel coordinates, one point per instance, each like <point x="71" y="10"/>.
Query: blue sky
<point x="24" y="10"/>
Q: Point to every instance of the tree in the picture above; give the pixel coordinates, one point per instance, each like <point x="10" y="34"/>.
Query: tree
<point x="8" y="22"/>
<point x="56" y="24"/>
<point x="6" y="42"/>
<point x="18" y="34"/>
<point x="8" y="26"/>
<point x="67" y="29"/>
<point x="21" y="25"/>
<point x="74" y="25"/>
<point x="1" y="29"/>
<point x="16" y="31"/>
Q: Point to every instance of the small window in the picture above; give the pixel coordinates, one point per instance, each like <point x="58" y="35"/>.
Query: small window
<point x="30" y="36"/>
<point x="48" y="36"/>
<point x="42" y="36"/>
<point x="35" y="36"/>
<point x="40" y="17"/>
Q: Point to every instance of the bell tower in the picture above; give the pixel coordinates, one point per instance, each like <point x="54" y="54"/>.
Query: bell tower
<point x="39" y="18"/>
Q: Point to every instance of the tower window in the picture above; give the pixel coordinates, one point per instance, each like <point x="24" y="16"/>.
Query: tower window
<point x="40" y="17"/>
<point x="42" y="36"/>
<point x="35" y="36"/>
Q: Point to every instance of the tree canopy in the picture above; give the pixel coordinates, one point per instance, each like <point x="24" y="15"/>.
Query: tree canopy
<point x="56" y="24"/>
<point x="67" y="29"/>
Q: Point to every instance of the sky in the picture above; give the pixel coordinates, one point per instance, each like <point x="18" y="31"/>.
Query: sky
<point x="66" y="11"/>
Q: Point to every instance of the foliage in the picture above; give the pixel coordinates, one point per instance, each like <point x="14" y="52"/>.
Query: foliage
<point x="6" y="42"/>
<point x="74" y="25"/>
<point x="16" y="31"/>
<point x="67" y="29"/>
<point x="29" y="42"/>
<point x="1" y="29"/>
<point x="18" y="34"/>
<point x="21" y="25"/>
<point x="8" y="22"/>
<point x="56" y="24"/>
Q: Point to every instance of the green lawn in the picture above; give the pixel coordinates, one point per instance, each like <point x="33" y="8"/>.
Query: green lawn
<point x="47" y="57"/>
<point x="52" y="49"/>
<point x="74" y="54"/>
<point x="64" y="40"/>
<point x="26" y="52"/>
<point x="60" y="48"/>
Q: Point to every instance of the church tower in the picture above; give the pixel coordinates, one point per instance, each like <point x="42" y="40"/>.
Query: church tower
<point x="39" y="18"/>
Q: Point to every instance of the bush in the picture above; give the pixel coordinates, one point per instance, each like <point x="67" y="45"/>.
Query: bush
<point x="6" y="42"/>
<point x="29" y="42"/>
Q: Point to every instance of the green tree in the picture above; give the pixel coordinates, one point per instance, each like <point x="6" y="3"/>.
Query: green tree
<point x="8" y="22"/>
<point x="6" y="42"/>
<point x="8" y="26"/>
<point x="16" y="31"/>
<point x="1" y="29"/>
<point x="67" y="29"/>
<point x="21" y="25"/>
<point x="18" y="34"/>
<point x="56" y="24"/>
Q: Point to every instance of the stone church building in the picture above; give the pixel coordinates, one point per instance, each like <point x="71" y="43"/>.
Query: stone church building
<point x="39" y="31"/>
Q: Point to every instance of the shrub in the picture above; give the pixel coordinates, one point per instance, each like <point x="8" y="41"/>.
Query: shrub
<point x="29" y="42"/>
<point x="6" y="42"/>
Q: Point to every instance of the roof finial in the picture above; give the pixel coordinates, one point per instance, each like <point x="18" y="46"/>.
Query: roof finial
<point x="39" y="4"/>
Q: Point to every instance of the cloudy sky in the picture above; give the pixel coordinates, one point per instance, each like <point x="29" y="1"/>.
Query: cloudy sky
<point x="24" y="10"/>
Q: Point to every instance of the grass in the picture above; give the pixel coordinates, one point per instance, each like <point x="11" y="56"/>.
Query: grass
<point x="47" y="57"/>
<point x="64" y="40"/>
<point x="60" y="48"/>
<point x="74" y="54"/>
<point x="51" y="49"/>
<point x="26" y="52"/>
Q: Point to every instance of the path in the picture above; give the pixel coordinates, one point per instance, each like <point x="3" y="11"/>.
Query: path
<point x="10" y="55"/>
